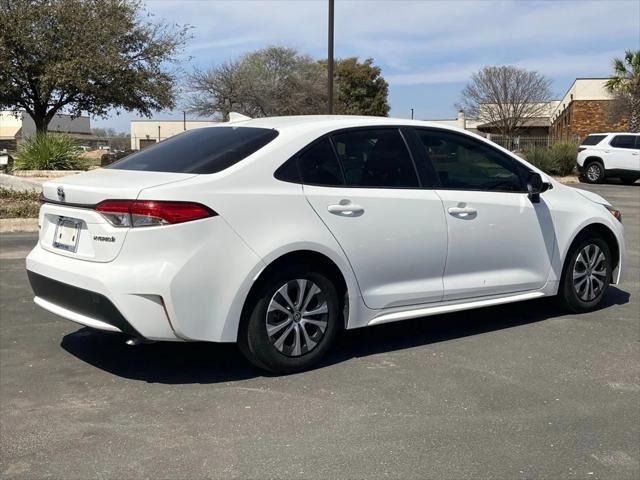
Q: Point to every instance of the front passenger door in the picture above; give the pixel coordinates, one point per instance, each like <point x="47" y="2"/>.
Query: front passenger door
<point x="499" y="241"/>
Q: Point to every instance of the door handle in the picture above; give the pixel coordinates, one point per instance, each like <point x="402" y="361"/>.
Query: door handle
<point x="346" y="209"/>
<point x="462" y="211"/>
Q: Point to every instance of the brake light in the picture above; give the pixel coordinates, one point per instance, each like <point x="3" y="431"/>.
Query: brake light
<point x="581" y="149"/>
<point x="149" y="213"/>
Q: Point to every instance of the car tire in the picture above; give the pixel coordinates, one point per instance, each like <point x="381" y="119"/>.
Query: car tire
<point x="586" y="275"/>
<point x="284" y="331"/>
<point x="594" y="172"/>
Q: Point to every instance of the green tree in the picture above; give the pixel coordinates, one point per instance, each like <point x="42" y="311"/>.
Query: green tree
<point x="625" y="83"/>
<point x="85" y="56"/>
<point x="360" y="88"/>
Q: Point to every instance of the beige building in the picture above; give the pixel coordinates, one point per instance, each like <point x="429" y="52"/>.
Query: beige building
<point x="461" y="121"/>
<point x="16" y="126"/>
<point x="148" y="132"/>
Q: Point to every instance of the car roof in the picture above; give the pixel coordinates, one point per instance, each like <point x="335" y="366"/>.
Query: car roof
<point x="613" y="133"/>
<point x="313" y="123"/>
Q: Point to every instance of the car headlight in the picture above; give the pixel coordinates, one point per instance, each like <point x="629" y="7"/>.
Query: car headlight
<point x="615" y="212"/>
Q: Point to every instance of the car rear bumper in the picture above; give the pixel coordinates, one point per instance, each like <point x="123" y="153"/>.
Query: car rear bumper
<point x="172" y="283"/>
<point x="80" y="305"/>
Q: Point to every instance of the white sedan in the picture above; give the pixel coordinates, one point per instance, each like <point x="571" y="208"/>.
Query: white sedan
<point x="275" y="233"/>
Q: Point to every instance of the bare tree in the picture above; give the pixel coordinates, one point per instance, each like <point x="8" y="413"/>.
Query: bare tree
<point x="268" y="82"/>
<point x="506" y="96"/>
<point x="280" y="81"/>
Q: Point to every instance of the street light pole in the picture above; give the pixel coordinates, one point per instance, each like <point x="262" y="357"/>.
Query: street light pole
<point x="412" y="114"/>
<point x="330" y="60"/>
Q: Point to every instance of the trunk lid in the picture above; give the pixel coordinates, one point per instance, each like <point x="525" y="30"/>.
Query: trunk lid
<point x="94" y="186"/>
<point x="71" y="227"/>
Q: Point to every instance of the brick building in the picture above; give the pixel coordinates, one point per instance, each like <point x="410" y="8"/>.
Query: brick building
<point x="584" y="109"/>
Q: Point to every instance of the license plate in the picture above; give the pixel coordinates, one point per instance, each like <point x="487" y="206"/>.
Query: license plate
<point x="67" y="234"/>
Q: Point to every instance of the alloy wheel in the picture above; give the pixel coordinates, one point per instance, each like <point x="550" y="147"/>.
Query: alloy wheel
<point x="297" y="317"/>
<point x="589" y="273"/>
<point x="594" y="172"/>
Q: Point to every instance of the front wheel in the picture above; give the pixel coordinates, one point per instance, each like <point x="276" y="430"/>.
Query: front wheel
<point x="586" y="276"/>
<point x="291" y="321"/>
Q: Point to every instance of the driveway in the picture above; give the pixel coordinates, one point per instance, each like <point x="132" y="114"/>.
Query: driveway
<point x="517" y="391"/>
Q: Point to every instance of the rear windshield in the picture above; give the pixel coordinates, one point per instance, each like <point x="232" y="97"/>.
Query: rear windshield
<point x="203" y="150"/>
<point x="593" y="140"/>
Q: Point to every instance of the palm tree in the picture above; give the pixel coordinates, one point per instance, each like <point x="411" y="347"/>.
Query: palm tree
<point x="626" y="82"/>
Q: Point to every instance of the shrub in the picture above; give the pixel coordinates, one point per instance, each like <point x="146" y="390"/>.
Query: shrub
<point x="559" y="159"/>
<point x="15" y="204"/>
<point x="565" y="154"/>
<point x="541" y="158"/>
<point x="48" y="152"/>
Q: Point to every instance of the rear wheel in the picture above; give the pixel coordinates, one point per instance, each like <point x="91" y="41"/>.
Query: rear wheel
<point x="291" y="320"/>
<point x="594" y="172"/>
<point x="587" y="275"/>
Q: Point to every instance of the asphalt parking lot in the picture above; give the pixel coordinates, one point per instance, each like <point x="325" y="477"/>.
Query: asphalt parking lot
<point x="517" y="391"/>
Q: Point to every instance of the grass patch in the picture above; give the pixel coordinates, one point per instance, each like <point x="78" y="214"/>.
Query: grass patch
<point x="14" y="204"/>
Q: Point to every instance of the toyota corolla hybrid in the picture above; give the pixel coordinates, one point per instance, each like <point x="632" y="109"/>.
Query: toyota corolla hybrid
<point x="275" y="233"/>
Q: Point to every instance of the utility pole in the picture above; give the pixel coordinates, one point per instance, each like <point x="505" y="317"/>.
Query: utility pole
<point x="412" y="114"/>
<point x="184" y="121"/>
<point x="330" y="60"/>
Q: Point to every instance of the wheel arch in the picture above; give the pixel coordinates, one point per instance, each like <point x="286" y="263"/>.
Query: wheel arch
<point x="602" y="231"/>
<point x="304" y="256"/>
<point x="593" y="158"/>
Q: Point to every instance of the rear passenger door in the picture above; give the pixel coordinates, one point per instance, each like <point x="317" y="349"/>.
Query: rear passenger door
<point x="363" y="184"/>
<point x="624" y="153"/>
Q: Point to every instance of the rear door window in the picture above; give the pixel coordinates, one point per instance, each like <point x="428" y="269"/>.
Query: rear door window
<point x="203" y="150"/>
<point x="623" y="141"/>
<point x="593" y="139"/>
<point x="376" y="158"/>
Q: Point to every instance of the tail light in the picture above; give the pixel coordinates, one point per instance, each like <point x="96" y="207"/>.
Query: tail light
<point x="581" y="149"/>
<point x="149" y="213"/>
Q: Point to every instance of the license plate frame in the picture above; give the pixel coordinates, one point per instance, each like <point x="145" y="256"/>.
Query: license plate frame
<point x="67" y="234"/>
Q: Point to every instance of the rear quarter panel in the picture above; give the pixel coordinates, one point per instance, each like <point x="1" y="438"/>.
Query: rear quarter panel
<point x="270" y="217"/>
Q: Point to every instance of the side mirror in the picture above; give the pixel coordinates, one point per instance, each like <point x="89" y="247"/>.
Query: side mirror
<point x="535" y="186"/>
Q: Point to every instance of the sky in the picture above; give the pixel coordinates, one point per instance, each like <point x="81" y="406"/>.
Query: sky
<point x="427" y="49"/>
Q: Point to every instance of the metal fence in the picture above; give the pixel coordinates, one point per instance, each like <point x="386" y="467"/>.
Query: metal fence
<point x="518" y="143"/>
<point x="522" y="143"/>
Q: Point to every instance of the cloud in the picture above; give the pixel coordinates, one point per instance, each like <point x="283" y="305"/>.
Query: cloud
<point x="553" y="64"/>
<point x="403" y="34"/>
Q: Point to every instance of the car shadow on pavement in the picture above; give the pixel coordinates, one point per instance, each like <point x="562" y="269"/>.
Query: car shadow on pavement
<point x="201" y="362"/>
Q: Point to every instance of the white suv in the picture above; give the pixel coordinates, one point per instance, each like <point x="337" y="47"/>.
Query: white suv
<point x="602" y="155"/>
<point x="276" y="232"/>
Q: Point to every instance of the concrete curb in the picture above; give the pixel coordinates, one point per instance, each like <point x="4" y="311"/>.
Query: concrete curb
<point x="13" y="225"/>
<point x="45" y="173"/>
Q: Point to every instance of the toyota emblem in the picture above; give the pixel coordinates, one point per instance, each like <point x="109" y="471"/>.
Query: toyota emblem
<point x="61" y="194"/>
